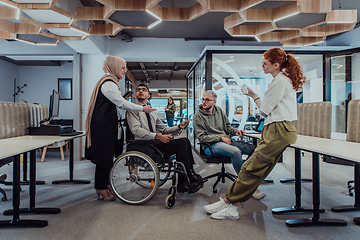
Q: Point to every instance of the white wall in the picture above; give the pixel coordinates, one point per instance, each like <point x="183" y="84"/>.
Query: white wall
<point x="40" y="82"/>
<point x="8" y="72"/>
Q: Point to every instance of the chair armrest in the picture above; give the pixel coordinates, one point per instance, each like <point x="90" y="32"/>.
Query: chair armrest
<point x="205" y="145"/>
<point x="149" y="143"/>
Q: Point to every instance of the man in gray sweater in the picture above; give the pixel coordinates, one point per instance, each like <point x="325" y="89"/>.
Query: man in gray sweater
<point x="211" y="125"/>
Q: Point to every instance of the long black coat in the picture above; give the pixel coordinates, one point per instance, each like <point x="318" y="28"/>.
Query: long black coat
<point x="104" y="133"/>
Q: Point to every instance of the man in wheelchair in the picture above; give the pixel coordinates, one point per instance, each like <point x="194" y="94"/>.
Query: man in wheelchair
<point x="150" y="127"/>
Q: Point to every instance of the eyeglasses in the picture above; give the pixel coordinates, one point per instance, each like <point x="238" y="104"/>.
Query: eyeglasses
<point x="125" y="69"/>
<point x="263" y="64"/>
<point x="206" y="100"/>
<point x="141" y="89"/>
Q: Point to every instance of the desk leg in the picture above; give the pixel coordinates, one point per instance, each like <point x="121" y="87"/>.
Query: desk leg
<point x="286" y="180"/>
<point x="315" y="220"/>
<point x="32" y="190"/>
<point x="16" y="222"/>
<point x="71" y="169"/>
<point x="356" y="206"/>
<point x="297" y="207"/>
<point x="25" y="181"/>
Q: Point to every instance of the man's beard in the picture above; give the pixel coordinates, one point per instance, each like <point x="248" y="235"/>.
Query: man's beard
<point x="207" y="109"/>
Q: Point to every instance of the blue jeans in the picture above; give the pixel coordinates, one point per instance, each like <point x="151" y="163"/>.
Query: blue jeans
<point x="170" y="121"/>
<point x="234" y="151"/>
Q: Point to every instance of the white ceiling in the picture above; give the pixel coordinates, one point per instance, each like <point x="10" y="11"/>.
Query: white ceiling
<point x="47" y="16"/>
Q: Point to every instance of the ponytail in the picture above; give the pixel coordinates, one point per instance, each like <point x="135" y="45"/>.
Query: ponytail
<point x="291" y="65"/>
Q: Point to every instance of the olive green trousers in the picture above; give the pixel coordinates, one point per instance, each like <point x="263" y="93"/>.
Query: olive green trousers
<point x="275" y="137"/>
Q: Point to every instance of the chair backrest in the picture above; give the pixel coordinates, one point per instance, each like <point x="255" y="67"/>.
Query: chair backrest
<point x="353" y="123"/>
<point x="314" y="119"/>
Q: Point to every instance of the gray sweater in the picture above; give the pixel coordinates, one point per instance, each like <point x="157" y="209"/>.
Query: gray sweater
<point x="211" y="127"/>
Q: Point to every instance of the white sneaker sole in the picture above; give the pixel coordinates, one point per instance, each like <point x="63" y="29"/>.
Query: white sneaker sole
<point x="259" y="197"/>
<point x="224" y="217"/>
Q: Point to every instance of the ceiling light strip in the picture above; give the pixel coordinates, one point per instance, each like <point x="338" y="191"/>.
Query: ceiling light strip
<point x="154" y="15"/>
<point x="314" y="43"/>
<point x="25" y="41"/>
<point x="332" y="22"/>
<point x="286" y="16"/>
<point x="46" y="44"/>
<point x="154" y="24"/>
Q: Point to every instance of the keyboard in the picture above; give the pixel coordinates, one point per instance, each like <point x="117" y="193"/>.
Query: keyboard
<point x="70" y="134"/>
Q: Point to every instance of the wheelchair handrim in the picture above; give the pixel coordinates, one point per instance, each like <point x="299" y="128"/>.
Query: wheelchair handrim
<point x="134" y="177"/>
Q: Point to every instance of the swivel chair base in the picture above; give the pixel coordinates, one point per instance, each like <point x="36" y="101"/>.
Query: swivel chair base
<point x="220" y="176"/>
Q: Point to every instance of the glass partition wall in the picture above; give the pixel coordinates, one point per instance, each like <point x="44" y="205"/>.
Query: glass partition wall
<point x="345" y="86"/>
<point x="196" y="86"/>
<point x="231" y="70"/>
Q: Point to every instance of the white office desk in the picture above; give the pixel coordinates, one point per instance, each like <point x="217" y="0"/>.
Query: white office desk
<point x="13" y="147"/>
<point x="346" y="151"/>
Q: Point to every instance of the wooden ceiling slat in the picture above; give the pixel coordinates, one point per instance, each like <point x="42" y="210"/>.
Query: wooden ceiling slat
<point x="7" y="35"/>
<point x="196" y="11"/>
<point x="237" y="24"/>
<point x="101" y="29"/>
<point x="90" y="13"/>
<point x="8" y="12"/>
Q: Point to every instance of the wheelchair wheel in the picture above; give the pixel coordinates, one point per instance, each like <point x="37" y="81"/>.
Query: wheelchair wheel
<point x="170" y="201"/>
<point x="134" y="177"/>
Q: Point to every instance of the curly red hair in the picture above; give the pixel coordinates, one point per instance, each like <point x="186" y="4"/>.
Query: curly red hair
<point x="287" y="61"/>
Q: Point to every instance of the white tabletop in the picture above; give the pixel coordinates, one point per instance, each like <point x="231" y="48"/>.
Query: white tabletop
<point x="253" y="135"/>
<point x="330" y="147"/>
<point x="12" y="146"/>
<point x="334" y="148"/>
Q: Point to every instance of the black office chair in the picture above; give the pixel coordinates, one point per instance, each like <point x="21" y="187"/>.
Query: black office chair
<point x="218" y="159"/>
<point x="2" y="181"/>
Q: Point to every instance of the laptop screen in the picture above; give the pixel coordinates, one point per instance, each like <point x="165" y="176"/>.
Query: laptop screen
<point x="260" y="125"/>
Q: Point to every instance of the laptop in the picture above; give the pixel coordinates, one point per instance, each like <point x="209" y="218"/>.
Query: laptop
<point x="258" y="128"/>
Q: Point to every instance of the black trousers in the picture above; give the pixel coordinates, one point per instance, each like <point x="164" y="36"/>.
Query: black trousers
<point x="101" y="178"/>
<point x="181" y="147"/>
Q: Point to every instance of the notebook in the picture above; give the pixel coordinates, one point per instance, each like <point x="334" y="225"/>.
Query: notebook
<point x="258" y="128"/>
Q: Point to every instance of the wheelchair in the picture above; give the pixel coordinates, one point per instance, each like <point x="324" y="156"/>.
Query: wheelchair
<point x="136" y="177"/>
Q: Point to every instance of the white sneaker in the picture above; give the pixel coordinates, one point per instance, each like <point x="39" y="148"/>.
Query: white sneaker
<point x="258" y="195"/>
<point x="227" y="213"/>
<point x="215" y="207"/>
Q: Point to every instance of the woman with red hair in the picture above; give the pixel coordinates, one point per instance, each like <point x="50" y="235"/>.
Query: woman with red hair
<point x="279" y="108"/>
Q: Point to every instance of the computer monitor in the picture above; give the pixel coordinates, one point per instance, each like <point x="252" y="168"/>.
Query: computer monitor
<point x="54" y="105"/>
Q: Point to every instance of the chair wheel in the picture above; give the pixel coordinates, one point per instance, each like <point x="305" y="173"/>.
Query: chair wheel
<point x="215" y="190"/>
<point x="4" y="198"/>
<point x="170" y="201"/>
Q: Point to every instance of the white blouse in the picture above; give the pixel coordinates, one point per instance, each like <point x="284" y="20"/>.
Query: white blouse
<point x="279" y="103"/>
<point x="111" y="92"/>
